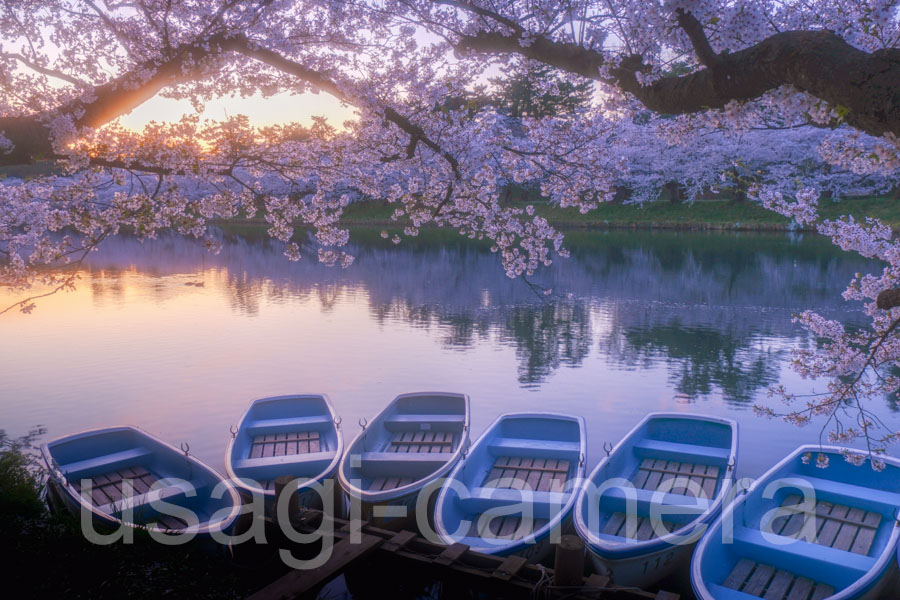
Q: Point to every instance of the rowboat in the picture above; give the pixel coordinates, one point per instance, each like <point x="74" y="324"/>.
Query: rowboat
<point x="125" y="476"/>
<point x="802" y="532"/>
<point x="414" y="442"/>
<point x="516" y="487"/>
<point x="642" y="509"/>
<point x="296" y="436"/>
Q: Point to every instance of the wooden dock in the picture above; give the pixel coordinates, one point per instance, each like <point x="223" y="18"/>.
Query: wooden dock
<point x="385" y="551"/>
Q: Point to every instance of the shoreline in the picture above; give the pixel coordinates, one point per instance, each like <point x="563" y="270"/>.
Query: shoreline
<point x="701" y="215"/>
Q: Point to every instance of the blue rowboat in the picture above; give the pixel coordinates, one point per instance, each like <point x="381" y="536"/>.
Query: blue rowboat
<point x="805" y="532"/>
<point x="123" y="475"/>
<point x="296" y="436"/>
<point x="643" y="508"/>
<point x="516" y="486"/>
<point x="413" y="443"/>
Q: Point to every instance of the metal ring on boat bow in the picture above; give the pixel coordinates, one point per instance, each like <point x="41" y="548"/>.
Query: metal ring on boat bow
<point x="337" y="422"/>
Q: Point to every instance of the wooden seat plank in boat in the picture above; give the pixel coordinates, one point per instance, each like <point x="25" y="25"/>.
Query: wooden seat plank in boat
<point x="837" y="526"/>
<point x="765" y="581"/>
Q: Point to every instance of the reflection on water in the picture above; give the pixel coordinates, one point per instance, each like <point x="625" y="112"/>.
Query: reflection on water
<point x="167" y="336"/>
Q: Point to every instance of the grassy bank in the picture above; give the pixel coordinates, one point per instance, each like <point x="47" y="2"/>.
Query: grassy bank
<point x="38" y="540"/>
<point x="700" y="215"/>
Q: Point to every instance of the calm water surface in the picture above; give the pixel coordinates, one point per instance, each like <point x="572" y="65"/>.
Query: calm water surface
<point x="168" y="337"/>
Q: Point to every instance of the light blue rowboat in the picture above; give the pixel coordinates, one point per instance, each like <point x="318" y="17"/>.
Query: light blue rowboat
<point x="516" y="485"/>
<point x="295" y="435"/>
<point x="643" y="508"/>
<point x="838" y="543"/>
<point x="123" y="475"/>
<point x="416" y="440"/>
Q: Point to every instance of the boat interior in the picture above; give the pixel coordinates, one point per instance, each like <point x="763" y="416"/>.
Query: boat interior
<point x="673" y="465"/>
<point x="288" y="435"/>
<point x="412" y="439"/>
<point x="823" y="530"/>
<point x="520" y="471"/>
<point x="125" y="471"/>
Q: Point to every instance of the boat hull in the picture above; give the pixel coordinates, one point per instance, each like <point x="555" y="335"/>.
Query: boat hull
<point x="401" y="456"/>
<point x="295" y="436"/>
<point x="514" y="492"/>
<point x="636" y="571"/>
<point x="124" y="477"/>
<point x="832" y="531"/>
<point x="677" y="463"/>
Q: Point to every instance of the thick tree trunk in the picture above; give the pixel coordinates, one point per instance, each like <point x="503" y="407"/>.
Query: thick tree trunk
<point x="866" y="86"/>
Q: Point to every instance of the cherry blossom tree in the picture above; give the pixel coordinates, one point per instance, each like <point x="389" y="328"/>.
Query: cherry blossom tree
<point x="70" y="68"/>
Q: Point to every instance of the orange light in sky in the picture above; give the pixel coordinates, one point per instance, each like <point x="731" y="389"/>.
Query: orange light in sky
<point x="280" y="108"/>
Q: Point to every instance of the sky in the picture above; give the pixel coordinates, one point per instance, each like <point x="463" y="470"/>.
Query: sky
<point x="281" y="108"/>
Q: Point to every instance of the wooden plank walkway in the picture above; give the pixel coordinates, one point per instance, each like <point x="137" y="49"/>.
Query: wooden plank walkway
<point x="836" y="525"/>
<point x="384" y="552"/>
<point x="770" y="583"/>
<point x="106" y="490"/>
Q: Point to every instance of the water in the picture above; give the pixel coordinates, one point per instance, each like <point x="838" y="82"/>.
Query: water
<point x="168" y="337"/>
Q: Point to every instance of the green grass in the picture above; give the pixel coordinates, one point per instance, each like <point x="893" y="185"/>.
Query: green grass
<point x="702" y="214"/>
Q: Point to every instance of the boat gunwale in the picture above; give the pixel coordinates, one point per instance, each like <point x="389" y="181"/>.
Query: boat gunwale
<point x="418" y="484"/>
<point x="535" y="537"/>
<point x="329" y="471"/>
<point x="862" y="585"/>
<point x="633" y="548"/>
<point x="61" y="479"/>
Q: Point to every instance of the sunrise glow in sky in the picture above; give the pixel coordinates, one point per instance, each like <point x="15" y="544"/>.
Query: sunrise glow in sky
<point x="278" y="109"/>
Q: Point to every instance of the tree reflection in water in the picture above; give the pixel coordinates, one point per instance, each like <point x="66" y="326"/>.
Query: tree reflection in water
<point x="715" y="308"/>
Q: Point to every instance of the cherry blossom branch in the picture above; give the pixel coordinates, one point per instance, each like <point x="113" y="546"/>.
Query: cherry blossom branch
<point x="694" y="30"/>
<point x="44" y="70"/>
<point x="817" y="62"/>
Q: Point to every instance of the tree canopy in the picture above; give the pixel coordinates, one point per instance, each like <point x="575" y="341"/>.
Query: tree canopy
<point x="70" y="68"/>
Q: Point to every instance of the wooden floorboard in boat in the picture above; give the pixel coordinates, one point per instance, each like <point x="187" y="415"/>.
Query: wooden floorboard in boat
<point x="108" y="488"/>
<point x="836" y="525"/>
<point x="504" y="526"/>
<point x="688" y="477"/>
<point x="768" y="582"/>
<point x="285" y="444"/>
<point x="641" y="529"/>
<point x="521" y="472"/>
<point x="422" y="441"/>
